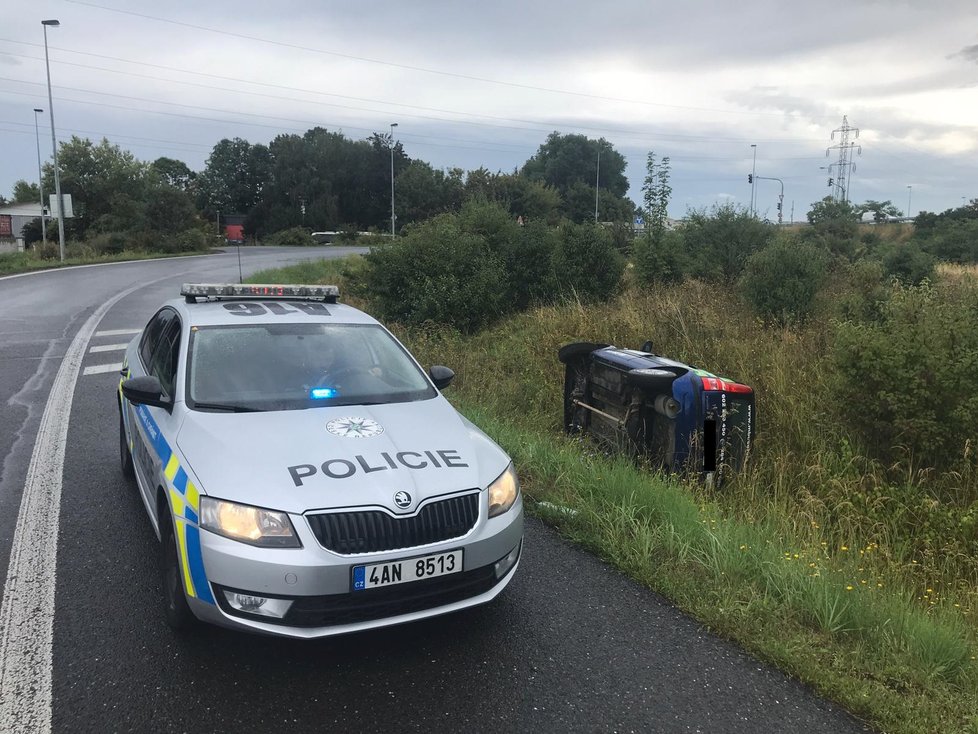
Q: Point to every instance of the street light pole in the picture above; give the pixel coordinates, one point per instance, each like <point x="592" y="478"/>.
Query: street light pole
<point x="909" y="196"/>
<point x="54" y="143"/>
<point x="393" y="125"/>
<point x="753" y="178"/>
<point x="40" y="176"/>
<point x="597" y="181"/>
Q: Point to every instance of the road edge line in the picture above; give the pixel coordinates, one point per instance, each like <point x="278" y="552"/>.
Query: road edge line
<point x="27" y="610"/>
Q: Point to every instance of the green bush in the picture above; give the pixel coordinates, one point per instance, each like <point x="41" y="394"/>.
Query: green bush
<point x="660" y="261"/>
<point x="911" y="379"/>
<point x="720" y="242"/>
<point x="292" y="237"/>
<point x="108" y="243"/>
<point x="586" y="263"/>
<point x="191" y="240"/>
<point x="954" y="240"/>
<point x="906" y="262"/>
<point x="781" y="280"/>
<point x="437" y="273"/>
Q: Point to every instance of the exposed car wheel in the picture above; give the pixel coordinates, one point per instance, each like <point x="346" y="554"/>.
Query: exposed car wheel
<point x="651" y="380"/>
<point x="570" y="352"/>
<point x="125" y="457"/>
<point x="178" y="614"/>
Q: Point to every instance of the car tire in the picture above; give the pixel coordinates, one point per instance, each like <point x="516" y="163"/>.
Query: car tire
<point x="125" y="456"/>
<point x="175" y="607"/>
<point x="575" y="350"/>
<point x="651" y="381"/>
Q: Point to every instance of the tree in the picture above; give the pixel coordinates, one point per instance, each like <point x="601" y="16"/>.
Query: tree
<point x="173" y="172"/>
<point x="656" y="193"/>
<point x="828" y="209"/>
<point x="720" y="242"/>
<point x="234" y="176"/>
<point x="94" y="175"/>
<point x="26" y="192"/>
<point x="423" y="192"/>
<point x="881" y="210"/>
<point x="569" y="163"/>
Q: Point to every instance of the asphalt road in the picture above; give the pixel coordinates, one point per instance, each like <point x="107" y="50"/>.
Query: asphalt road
<point x="571" y="645"/>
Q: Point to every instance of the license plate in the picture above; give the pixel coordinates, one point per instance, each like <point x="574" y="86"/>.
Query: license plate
<point x="406" y="570"/>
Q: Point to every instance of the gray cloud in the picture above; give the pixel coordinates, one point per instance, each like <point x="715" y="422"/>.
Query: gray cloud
<point x="968" y="52"/>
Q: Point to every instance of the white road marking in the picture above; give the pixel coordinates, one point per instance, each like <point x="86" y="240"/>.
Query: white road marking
<point x="101" y="369"/>
<point x="108" y="348"/>
<point x="27" y="610"/>
<point x="117" y="332"/>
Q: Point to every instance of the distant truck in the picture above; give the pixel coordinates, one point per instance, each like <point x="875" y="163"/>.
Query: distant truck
<point x="234" y="233"/>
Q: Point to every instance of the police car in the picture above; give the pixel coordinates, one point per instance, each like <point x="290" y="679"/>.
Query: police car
<point x="304" y="475"/>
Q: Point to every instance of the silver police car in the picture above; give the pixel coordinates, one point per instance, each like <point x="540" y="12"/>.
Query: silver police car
<point x="304" y="475"/>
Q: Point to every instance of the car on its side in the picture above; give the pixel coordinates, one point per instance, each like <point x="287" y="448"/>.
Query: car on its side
<point x="304" y="475"/>
<point x="678" y="417"/>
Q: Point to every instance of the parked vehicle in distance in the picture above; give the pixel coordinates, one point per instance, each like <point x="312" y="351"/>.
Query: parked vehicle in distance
<point x="679" y="417"/>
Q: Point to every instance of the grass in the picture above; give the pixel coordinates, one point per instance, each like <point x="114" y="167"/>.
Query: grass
<point x="23" y="262"/>
<point x="820" y="560"/>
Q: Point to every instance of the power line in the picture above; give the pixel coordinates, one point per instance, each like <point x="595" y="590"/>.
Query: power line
<point x="408" y="67"/>
<point x="540" y="124"/>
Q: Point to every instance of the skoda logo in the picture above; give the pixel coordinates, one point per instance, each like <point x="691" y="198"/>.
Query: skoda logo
<point x="402" y="499"/>
<point x="355" y="427"/>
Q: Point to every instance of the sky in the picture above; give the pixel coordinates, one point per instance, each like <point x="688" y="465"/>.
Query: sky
<point x="482" y="84"/>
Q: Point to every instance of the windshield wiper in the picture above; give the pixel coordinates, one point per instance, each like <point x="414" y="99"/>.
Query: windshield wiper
<point x="227" y="407"/>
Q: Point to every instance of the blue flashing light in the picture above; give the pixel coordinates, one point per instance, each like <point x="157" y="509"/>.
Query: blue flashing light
<point x="320" y="393"/>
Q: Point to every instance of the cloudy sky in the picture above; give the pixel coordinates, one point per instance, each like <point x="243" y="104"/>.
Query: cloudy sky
<point x="481" y="84"/>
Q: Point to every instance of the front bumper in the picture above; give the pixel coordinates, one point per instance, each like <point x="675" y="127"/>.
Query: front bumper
<point x="318" y="581"/>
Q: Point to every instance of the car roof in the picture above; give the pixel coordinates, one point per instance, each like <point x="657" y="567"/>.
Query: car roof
<point x="214" y="313"/>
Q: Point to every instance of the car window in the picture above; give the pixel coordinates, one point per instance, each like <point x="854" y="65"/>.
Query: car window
<point x="301" y="365"/>
<point x="166" y="356"/>
<point x="152" y="333"/>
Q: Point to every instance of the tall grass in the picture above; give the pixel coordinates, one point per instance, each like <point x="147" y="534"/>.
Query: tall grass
<point x="839" y="568"/>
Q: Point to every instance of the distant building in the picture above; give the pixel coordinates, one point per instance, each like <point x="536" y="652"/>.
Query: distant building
<point x="13" y="219"/>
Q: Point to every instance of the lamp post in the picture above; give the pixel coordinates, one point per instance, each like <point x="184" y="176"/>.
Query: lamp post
<point x="393" y="125"/>
<point x="909" y="196"/>
<point x="753" y="177"/>
<point x="40" y="175"/>
<point x="54" y="143"/>
<point x="597" y="182"/>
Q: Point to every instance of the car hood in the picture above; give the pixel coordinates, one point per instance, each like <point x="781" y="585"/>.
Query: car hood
<point x="347" y="456"/>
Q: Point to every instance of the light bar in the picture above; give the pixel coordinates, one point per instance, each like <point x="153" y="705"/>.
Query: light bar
<point x="264" y="291"/>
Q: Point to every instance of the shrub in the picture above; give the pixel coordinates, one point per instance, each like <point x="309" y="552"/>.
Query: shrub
<point x="438" y="273"/>
<point x="586" y="263"/>
<point x="720" y="242"/>
<point x="907" y="262"/>
<point x="660" y="261"/>
<point x="954" y="240"/>
<point x="781" y="280"/>
<point x="108" y="243"/>
<point x="191" y="240"/>
<point x="910" y="379"/>
<point x="292" y="237"/>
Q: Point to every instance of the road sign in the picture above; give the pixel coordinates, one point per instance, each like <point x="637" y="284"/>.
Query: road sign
<point x="69" y="213"/>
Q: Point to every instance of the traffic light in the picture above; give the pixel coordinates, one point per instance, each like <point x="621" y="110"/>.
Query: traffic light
<point x="750" y="178"/>
<point x="830" y="182"/>
<point x="779" y="206"/>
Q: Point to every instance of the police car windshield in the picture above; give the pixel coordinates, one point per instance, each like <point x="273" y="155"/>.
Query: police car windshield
<point x="294" y="366"/>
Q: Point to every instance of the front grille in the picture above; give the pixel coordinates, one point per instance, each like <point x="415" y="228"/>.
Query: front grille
<point x="364" y="606"/>
<point x="372" y="531"/>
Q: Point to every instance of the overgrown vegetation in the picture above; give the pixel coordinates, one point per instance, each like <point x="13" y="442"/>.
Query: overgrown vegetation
<point x="845" y="554"/>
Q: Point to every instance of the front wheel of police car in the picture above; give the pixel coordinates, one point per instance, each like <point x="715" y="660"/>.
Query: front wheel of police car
<point x="309" y="476"/>
<point x="175" y="606"/>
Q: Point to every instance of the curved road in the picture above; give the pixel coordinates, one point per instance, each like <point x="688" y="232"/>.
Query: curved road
<point x="571" y="645"/>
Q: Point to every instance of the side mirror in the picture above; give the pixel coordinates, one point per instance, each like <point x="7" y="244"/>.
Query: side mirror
<point x="145" y="390"/>
<point x="441" y="376"/>
<point x="647" y="347"/>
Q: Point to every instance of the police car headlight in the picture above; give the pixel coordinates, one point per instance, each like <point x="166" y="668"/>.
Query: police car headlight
<point x="503" y="492"/>
<point x="252" y="525"/>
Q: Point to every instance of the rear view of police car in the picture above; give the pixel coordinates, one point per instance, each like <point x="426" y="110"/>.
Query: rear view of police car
<point x="304" y="475"/>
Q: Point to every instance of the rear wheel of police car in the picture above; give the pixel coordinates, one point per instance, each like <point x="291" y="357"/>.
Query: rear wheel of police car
<point x="178" y="614"/>
<point x="125" y="457"/>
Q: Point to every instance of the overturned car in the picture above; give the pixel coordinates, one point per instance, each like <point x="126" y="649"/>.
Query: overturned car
<point x="678" y="417"/>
